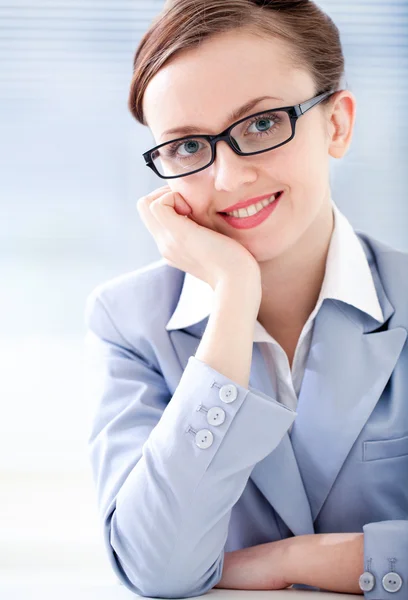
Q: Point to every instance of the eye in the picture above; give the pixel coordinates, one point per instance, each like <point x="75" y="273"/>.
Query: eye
<point x="173" y="149"/>
<point x="264" y="124"/>
<point x="192" y="145"/>
<point x="263" y="120"/>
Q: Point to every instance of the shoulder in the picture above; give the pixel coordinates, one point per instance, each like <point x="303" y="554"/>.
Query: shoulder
<point x="138" y="299"/>
<point x="390" y="265"/>
<point x="389" y="260"/>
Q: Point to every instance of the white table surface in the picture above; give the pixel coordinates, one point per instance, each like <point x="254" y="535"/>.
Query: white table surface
<point x="72" y="590"/>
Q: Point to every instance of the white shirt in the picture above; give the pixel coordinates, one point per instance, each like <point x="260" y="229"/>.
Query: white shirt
<point x="347" y="278"/>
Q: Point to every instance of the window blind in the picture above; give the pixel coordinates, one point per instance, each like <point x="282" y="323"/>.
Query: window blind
<point x="63" y="60"/>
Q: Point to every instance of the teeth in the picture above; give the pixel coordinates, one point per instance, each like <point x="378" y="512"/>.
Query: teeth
<point x="253" y="209"/>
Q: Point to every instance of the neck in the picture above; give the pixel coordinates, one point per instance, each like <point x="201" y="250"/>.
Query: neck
<point x="292" y="281"/>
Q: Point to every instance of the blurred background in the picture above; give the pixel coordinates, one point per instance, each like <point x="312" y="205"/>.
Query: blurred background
<point x="71" y="172"/>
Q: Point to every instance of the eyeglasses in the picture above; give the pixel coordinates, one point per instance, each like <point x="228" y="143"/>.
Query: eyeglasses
<point x="190" y="154"/>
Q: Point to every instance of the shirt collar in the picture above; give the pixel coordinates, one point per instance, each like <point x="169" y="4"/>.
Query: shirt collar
<point x="347" y="278"/>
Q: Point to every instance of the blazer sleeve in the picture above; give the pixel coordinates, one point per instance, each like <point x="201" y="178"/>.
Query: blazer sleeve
<point x="164" y="492"/>
<point x="386" y="559"/>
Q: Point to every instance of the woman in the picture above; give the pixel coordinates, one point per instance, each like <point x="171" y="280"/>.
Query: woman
<point x="251" y="429"/>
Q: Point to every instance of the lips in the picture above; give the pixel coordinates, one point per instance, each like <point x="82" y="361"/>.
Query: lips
<point x="253" y="220"/>
<point x="249" y="202"/>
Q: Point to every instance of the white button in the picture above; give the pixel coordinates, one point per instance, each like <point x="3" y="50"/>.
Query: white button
<point x="366" y="581"/>
<point x="204" y="438"/>
<point x="228" y="393"/>
<point x="216" y="415"/>
<point x="392" y="582"/>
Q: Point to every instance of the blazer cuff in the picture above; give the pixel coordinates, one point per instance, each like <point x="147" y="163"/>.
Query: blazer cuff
<point x="385" y="560"/>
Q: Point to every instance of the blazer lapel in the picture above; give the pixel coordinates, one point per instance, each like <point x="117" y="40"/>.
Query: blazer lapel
<point x="277" y="475"/>
<point x="350" y="361"/>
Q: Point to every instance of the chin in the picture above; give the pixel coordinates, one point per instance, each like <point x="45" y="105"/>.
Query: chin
<point x="264" y="251"/>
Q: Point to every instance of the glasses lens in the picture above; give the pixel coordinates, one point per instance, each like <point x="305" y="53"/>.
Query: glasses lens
<point x="263" y="132"/>
<point x="182" y="157"/>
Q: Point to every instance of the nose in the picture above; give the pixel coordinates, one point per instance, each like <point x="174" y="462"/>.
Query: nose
<point x="230" y="171"/>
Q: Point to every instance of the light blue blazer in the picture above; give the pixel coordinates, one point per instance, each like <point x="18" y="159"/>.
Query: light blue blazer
<point x="173" y="498"/>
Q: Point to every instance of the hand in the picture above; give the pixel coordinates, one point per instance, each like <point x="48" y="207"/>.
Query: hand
<point x="198" y="250"/>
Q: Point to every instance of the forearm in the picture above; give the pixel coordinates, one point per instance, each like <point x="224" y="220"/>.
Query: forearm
<point x="258" y="567"/>
<point x="227" y="342"/>
<point x="331" y="561"/>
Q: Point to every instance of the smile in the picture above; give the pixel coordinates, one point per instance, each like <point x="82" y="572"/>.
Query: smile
<point x="251" y="216"/>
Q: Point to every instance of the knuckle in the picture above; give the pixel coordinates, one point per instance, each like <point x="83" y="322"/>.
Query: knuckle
<point x="140" y="203"/>
<point x="155" y="202"/>
<point x="153" y="206"/>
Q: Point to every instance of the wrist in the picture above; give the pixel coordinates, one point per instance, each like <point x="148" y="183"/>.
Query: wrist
<point x="247" y="283"/>
<point x="330" y="561"/>
<point x="289" y="555"/>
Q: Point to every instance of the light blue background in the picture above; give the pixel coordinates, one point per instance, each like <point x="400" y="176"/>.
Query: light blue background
<point x="71" y="172"/>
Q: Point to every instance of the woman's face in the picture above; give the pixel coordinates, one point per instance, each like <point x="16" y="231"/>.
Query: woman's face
<point x="202" y="86"/>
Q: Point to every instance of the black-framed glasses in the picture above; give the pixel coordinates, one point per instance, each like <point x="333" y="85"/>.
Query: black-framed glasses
<point x="189" y="154"/>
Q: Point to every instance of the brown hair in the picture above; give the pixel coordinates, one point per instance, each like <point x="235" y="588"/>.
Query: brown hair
<point x="313" y="38"/>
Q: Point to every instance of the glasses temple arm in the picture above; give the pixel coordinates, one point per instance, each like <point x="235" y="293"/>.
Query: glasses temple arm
<point x="305" y="106"/>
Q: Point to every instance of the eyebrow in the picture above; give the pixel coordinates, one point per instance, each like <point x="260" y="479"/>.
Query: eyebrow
<point x="234" y="116"/>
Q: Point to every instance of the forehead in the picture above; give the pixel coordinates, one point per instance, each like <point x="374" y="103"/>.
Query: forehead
<point x="202" y="85"/>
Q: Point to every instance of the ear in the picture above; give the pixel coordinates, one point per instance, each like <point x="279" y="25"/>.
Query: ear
<point x="341" y="114"/>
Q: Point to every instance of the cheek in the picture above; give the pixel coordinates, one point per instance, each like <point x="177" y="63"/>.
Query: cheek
<point x="182" y="189"/>
<point x="311" y="163"/>
<point x="174" y="187"/>
<point x="285" y="166"/>
<point x="193" y="195"/>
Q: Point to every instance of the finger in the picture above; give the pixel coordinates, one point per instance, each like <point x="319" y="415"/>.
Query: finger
<point x="180" y="205"/>
<point x="148" y="198"/>
<point x="163" y="208"/>
<point x="143" y="207"/>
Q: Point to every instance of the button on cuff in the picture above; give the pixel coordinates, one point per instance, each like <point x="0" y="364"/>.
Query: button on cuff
<point x="204" y="438"/>
<point x="216" y="416"/>
<point x="392" y="582"/>
<point x="366" y="581"/>
<point x="228" y="393"/>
